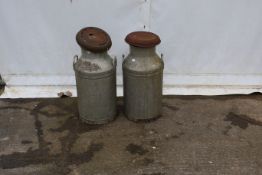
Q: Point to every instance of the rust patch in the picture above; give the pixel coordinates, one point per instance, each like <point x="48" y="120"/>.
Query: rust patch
<point x="88" y="66"/>
<point x="93" y="39"/>
<point x="142" y="39"/>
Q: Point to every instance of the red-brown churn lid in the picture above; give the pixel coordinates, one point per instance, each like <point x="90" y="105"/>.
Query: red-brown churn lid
<point x="93" y="39"/>
<point x="142" y="39"/>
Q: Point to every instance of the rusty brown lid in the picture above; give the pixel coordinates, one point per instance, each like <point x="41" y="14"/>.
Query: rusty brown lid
<point x="93" y="39"/>
<point x="142" y="39"/>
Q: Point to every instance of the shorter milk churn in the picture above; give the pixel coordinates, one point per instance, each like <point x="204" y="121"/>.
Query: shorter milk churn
<point x="143" y="76"/>
<point x="95" y="73"/>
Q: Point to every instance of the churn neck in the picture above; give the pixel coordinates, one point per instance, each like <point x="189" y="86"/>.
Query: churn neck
<point x="139" y="51"/>
<point x="92" y="55"/>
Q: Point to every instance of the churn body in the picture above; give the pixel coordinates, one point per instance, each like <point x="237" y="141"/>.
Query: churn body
<point x="143" y="76"/>
<point x="95" y="73"/>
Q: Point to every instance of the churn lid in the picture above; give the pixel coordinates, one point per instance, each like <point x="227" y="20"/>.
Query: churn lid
<point x="142" y="39"/>
<point x="93" y="39"/>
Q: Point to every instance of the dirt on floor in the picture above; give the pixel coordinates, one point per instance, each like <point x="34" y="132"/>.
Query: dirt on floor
<point x="196" y="135"/>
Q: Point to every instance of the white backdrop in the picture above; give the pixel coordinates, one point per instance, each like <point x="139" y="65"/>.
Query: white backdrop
<point x="209" y="46"/>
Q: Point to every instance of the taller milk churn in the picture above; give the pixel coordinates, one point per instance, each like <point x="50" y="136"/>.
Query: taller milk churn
<point x="143" y="76"/>
<point x="95" y="73"/>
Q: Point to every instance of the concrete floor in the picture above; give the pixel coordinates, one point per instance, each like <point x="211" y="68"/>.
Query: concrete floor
<point x="195" y="135"/>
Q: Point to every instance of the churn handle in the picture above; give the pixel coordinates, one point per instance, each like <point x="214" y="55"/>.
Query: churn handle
<point x="75" y="59"/>
<point x="115" y="61"/>
<point x="123" y="57"/>
<point x="162" y="58"/>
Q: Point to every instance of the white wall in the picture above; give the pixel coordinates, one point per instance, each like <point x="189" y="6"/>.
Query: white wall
<point x="209" y="46"/>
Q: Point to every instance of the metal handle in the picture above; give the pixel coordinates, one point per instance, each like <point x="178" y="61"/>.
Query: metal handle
<point x="123" y="57"/>
<point x="75" y="59"/>
<point x="115" y="61"/>
<point x="162" y="56"/>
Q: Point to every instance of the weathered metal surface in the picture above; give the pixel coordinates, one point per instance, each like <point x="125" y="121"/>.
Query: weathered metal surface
<point x="143" y="39"/>
<point x="96" y="84"/>
<point x="93" y="39"/>
<point x="143" y="82"/>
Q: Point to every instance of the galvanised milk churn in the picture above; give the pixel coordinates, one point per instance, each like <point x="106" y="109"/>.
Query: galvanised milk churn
<point x="143" y="76"/>
<point x="95" y="73"/>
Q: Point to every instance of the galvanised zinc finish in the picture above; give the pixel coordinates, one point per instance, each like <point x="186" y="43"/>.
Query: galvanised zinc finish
<point x="143" y="82"/>
<point x="96" y="87"/>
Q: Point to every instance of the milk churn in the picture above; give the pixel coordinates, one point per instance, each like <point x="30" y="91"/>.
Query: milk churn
<point x="95" y="73"/>
<point x="143" y="76"/>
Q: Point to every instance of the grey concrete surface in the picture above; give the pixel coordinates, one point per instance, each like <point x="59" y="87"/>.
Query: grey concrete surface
<point x="196" y="135"/>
